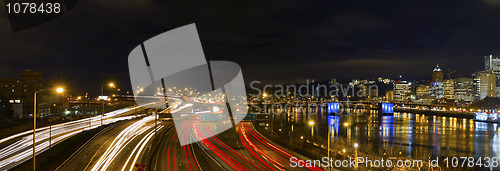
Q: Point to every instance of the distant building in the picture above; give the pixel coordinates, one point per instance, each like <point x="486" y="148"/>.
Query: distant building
<point x="436" y="89"/>
<point x="423" y="91"/>
<point x="423" y="95"/>
<point x="20" y="90"/>
<point x="484" y="84"/>
<point x="402" y="91"/>
<point x="493" y="63"/>
<point x="389" y="95"/>
<point x="437" y="74"/>
<point x="463" y="89"/>
<point x="448" y="89"/>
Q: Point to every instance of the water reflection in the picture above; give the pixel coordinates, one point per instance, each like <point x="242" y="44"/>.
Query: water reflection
<point x="444" y="136"/>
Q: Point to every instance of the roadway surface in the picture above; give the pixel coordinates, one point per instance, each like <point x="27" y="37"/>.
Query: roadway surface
<point x="136" y="144"/>
<point x="18" y="148"/>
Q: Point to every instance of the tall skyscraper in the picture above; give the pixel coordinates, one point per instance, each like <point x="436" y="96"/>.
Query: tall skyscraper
<point x="437" y="90"/>
<point x="484" y="84"/>
<point x="493" y="63"/>
<point x="437" y="74"/>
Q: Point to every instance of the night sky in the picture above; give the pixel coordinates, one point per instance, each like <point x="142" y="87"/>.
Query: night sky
<point x="273" y="41"/>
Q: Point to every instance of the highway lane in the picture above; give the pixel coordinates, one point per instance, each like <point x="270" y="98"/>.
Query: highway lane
<point x="128" y="146"/>
<point x="132" y="148"/>
<point x="265" y="151"/>
<point x="22" y="150"/>
<point x="170" y="155"/>
<point x="252" y="151"/>
<point x="89" y="153"/>
<point x="247" y="151"/>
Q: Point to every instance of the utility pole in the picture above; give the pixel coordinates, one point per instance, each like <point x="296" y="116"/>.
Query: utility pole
<point x="102" y="95"/>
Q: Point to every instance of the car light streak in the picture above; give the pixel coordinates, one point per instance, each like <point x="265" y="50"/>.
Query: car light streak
<point x="21" y="150"/>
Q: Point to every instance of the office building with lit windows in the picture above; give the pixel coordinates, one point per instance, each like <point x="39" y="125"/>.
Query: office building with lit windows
<point x="402" y="91"/>
<point x="484" y="84"/>
<point x="448" y="89"/>
<point x="492" y="62"/>
<point x="19" y="91"/>
<point x="463" y="89"/>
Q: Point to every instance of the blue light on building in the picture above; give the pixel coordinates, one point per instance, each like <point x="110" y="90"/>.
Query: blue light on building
<point x="387" y="108"/>
<point x="333" y="107"/>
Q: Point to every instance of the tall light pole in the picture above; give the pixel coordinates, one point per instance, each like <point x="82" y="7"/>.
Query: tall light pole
<point x="356" y="151"/>
<point x="102" y="94"/>
<point x="59" y="90"/>
<point x="312" y="128"/>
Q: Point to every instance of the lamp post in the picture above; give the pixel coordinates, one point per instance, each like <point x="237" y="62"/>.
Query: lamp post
<point x="347" y="129"/>
<point x="102" y="95"/>
<point x="356" y="151"/>
<point x="59" y="90"/>
<point x="311" y="123"/>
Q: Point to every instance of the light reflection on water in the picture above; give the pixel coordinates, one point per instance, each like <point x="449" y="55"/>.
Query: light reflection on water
<point x="444" y="136"/>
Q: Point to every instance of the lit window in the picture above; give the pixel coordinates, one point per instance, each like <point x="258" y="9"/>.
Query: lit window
<point x="18" y="101"/>
<point x="11" y="101"/>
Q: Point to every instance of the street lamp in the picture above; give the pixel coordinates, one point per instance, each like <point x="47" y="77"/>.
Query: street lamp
<point x="311" y="123"/>
<point x="112" y="85"/>
<point x="356" y="151"/>
<point x="347" y="129"/>
<point x="59" y="90"/>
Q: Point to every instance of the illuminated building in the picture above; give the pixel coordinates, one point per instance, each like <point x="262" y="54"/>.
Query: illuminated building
<point x="493" y="63"/>
<point x="423" y="91"/>
<point x="437" y="90"/>
<point x="402" y="91"/>
<point x="448" y="89"/>
<point x="463" y="89"/>
<point x="20" y="90"/>
<point x="437" y="74"/>
<point x="484" y="84"/>
<point x="389" y="95"/>
<point x="423" y="94"/>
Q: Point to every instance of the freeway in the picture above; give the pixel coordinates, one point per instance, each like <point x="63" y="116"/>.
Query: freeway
<point x="138" y="145"/>
<point x="252" y="152"/>
<point x="19" y="148"/>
